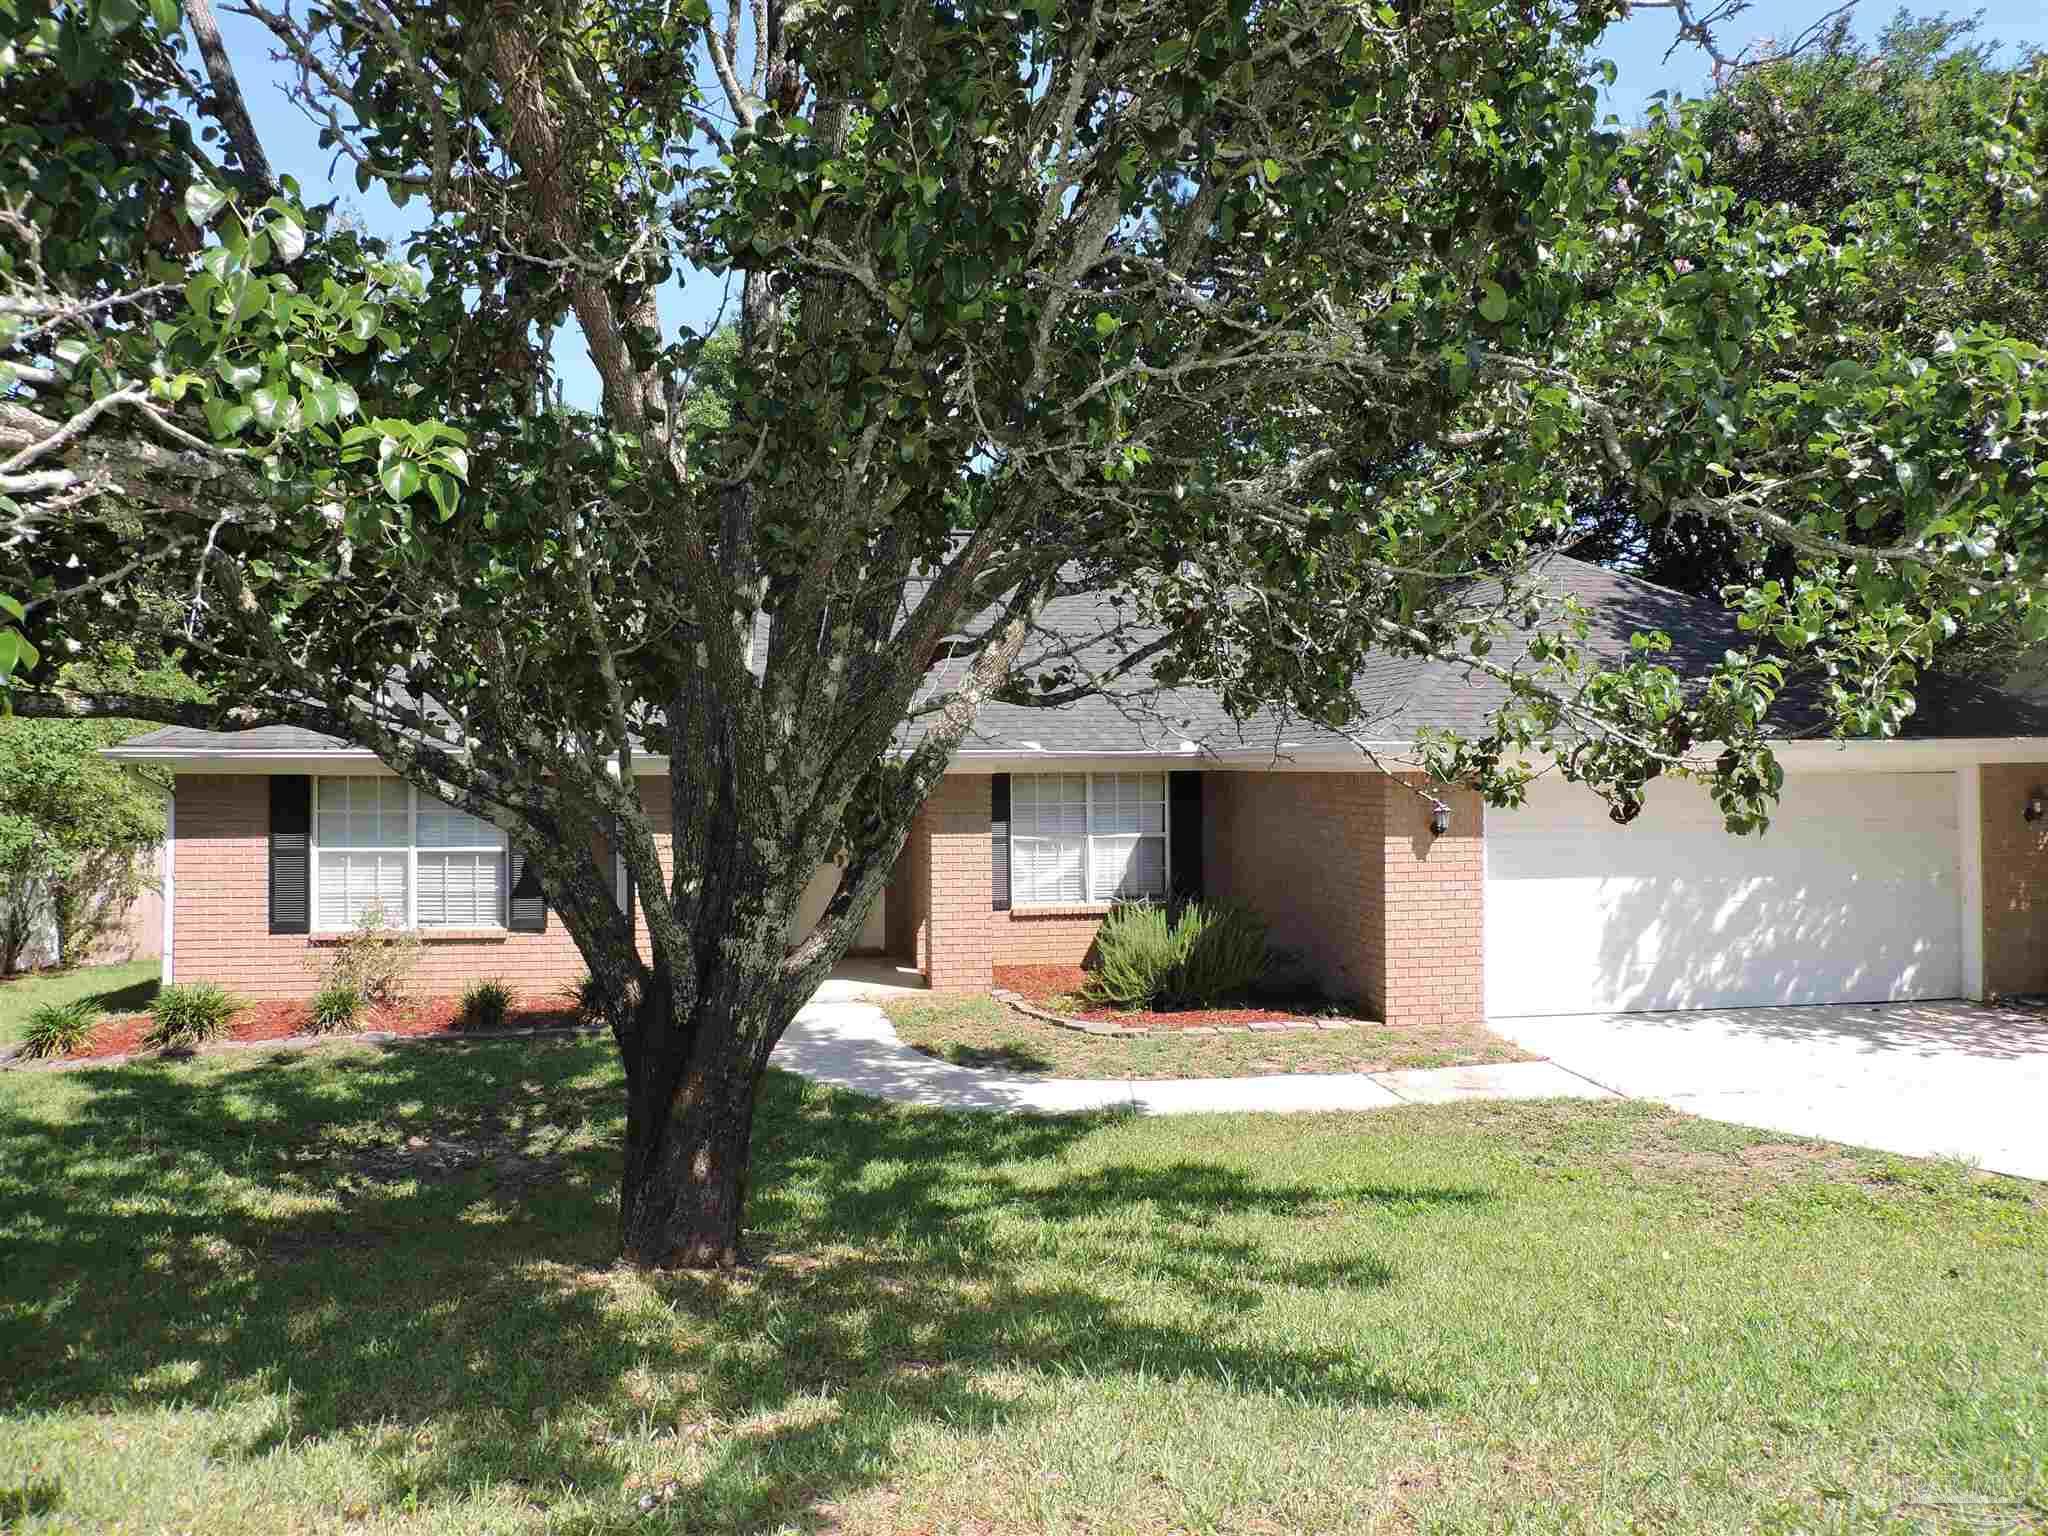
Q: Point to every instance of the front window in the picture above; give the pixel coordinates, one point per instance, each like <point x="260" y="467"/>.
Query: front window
<point x="1082" y="837"/>
<point x="378" y="842"/>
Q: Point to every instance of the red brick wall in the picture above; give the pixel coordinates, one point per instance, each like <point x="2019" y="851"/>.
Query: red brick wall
<point x="1301" y="849"/>
<point x="1046" y="935"/>
<point x="222" y="917"/>
<point x="1342" y="865"/>
<point x="1435" y="898"/>
<point x="907" y="906"/>
<point x="2015" y="855"/>
<point x="958" y="950"/>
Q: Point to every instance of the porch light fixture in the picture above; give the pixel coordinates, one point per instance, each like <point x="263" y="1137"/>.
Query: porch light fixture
<point x="2037" y="806"/>
<point x="1440" y="818"/>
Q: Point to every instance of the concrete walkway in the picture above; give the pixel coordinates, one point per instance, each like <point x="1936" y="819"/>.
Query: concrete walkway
<point x="848" y="1043"/>
<point x="1936" y="1079"/>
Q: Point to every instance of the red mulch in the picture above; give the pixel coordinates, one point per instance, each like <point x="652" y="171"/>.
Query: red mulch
<point x="277" y="1020"/>
<point x="1056" y="988"/>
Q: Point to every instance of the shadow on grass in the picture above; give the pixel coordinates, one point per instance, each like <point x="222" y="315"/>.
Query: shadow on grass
<point x="418" y="1244"/>
<point x="1010" y="1056"/>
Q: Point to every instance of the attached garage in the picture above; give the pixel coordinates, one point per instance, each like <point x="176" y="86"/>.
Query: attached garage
<point x="1853" y="895"/>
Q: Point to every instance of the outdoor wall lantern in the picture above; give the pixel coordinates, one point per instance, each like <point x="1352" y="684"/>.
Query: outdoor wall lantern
<point x="1440" y="818"/>
<point x="2037" y="806"/>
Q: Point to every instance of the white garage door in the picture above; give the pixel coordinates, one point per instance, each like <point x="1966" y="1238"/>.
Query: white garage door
<point x="1851" y="896"/>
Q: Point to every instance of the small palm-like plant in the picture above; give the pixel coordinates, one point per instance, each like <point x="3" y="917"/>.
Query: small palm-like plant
<point x="58" y="1029"/>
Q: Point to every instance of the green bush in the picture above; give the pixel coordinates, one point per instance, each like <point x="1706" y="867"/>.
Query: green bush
<point x="1135" y="953"/>
<point x="1223" y="953"/>
<point x="58" y="1029"/>
<point x="484" y="1005"/>
<point x="190" y="1013"/>
<point x="1194" y="955"/>
<point x="336" y="1007"/>
<point x="373" y="957"/>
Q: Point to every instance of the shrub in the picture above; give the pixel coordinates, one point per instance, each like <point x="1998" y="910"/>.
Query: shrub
<point x="588" y="998"/>
<point x="373" y="958"/>
<point x="336" y="1007"/>
<point x="1223" y="952"/>
<point x="1195" y="955"/>
<point x="58" y="1029"/>
<point x="1134" y="954"/>
<point x="484" y="1005"/>
<point x="190" y="1013"/>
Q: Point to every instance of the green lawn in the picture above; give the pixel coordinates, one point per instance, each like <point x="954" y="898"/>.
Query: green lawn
<point x="973" y="1030"/>
<point x="126" y="988"/>
<point x="367" y="1290"/>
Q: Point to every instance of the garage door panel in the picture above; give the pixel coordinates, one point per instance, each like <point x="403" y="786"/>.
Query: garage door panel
<point x="1851" y="896"/>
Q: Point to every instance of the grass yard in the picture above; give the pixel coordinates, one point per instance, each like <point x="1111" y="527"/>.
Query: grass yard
<point x="972" y="1030"/>
<point x="367" y="1290"/>
<point x="125" y="988"/>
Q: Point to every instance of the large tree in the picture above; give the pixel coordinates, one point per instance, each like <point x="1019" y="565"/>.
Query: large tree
<point x="1284" y="322"/>
<point x="1830" y="128"/>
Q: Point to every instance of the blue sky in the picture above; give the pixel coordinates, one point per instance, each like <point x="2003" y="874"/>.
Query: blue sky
<point x="1637" y="47"/>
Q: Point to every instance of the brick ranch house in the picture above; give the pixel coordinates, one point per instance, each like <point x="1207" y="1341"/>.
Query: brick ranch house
<point x="1914" y="868"/>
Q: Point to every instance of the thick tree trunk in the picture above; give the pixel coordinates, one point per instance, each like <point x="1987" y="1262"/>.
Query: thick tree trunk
<point x="689" y="1135"/>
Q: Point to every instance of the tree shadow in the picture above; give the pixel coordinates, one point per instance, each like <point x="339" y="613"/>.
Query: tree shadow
<point x="413" y="1250"/>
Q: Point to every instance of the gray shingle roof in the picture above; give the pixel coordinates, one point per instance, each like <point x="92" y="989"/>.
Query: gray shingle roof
<point x="1398" y="695"/>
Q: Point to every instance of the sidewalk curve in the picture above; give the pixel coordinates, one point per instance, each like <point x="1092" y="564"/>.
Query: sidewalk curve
<point x="853" y="1045"/>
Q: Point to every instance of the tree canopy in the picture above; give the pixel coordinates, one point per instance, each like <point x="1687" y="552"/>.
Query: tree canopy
<point x="1868" y="141"/>
<point x="1285" y="323"/>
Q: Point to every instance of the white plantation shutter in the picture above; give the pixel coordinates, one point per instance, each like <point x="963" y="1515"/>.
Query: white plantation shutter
<point x="362" y="813"/>
<point x="1048" y="838"/>
<point x="373" y="838"/>
<point x="1080" y="837"/>
<point x="1126" y="868"/>
<point x="461" y="890"/>
<point x="351" y="883"/>
<point x="443" y="826"/>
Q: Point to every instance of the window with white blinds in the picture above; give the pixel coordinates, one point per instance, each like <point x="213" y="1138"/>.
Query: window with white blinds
<point x="1078" y="837"/>
<point x="378" y="842"/>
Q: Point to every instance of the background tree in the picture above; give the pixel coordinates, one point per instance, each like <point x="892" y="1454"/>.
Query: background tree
<point x="1870" y="142"/>
<point x="1284" y="324"/>
<point x="77" y="833"/>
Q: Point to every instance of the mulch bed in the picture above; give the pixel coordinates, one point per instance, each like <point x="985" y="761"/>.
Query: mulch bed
<point x="1057" y="988"/>
<point x="122" y="1035"/>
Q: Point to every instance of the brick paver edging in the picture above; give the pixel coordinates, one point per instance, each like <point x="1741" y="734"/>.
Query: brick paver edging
<point x="1030" y="1010"/>
<point x="12" y="1061"/>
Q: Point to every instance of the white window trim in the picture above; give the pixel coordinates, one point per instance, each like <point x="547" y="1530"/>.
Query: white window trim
<point x="320" y="925"/>
<point x="1088" y="836"/>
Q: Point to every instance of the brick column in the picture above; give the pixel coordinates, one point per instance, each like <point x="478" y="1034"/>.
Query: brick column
<point x="958" y="934"/>
<point x="1432" y="909"/>
<point x="2015" y="853"/>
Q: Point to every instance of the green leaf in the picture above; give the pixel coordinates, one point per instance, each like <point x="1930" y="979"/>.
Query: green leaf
<point x="400" y="478"/>
<point x="12" y="606"/>
<point x="288" y="236"/>
<point x="16" y="654"/>
<point x="443" y="489"/>
<point x="1494" y="305"/>
<point x="268" y="404"/>
<point x="1106" y="323"/>
<point x="202" y="202"/>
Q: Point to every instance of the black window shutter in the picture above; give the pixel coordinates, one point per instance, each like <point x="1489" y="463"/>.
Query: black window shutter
<point x="1184" y="810"/>
<point x="291" y="853"/>
<point x="527" y="911"/>
<point x="999" y="840"/>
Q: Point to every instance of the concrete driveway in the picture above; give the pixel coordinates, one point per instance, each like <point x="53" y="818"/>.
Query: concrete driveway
<point x="1924" y="1079"/>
